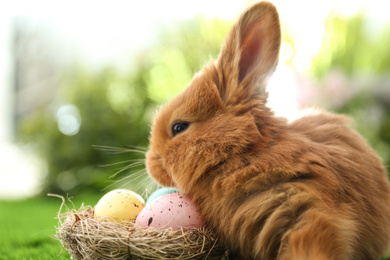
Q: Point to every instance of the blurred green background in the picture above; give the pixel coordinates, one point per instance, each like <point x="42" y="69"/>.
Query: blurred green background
<point x="90" y="135"/>
<point x="109" y="113"/>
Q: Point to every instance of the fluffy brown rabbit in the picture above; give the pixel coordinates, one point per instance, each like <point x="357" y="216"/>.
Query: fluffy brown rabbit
<point x="308" y="189"/>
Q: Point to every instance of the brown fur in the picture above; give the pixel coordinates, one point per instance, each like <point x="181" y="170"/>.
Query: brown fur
<point x="310" y="189"/>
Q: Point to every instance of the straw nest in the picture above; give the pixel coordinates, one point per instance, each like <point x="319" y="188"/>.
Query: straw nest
<point x="86" y="238"/>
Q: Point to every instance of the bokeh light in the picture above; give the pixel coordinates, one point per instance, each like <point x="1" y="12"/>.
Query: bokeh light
<point x="69" y="120"/>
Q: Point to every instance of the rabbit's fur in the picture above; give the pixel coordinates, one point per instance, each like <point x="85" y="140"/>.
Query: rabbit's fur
<point x="309" y="189"/>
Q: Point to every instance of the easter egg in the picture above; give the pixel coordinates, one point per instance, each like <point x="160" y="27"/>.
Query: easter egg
<point x="174" y="210"/>
<point x="119" y="205"/>
<point x="160" y="192"/>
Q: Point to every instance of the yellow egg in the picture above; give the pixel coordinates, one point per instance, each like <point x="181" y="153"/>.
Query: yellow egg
<point x="119" y="205"/>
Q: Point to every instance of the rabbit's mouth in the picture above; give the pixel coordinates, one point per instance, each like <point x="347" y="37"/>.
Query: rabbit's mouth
<point x="155" y="168"/>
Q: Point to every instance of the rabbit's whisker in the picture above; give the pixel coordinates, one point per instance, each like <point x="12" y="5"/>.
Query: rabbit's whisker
<point x="141" y="161"/>
<point x="127" y="167"/>
<point x="119" y="150"/>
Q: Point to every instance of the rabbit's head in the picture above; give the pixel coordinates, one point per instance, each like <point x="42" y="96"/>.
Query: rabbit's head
<point x="222" y="112"/>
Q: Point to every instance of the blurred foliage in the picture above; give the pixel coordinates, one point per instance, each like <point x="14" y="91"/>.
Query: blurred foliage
<point x="107" y="119"/>
<point x="355" y="45"/>
<point x="116" y="110"/>
<point x="360" y="50"/>
<point x="180" y="53"/>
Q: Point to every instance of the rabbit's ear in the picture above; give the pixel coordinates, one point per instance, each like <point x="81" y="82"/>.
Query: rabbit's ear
<point x="250" y="53"/>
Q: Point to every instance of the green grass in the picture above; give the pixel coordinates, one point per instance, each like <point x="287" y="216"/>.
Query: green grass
<point x="26" y="228"/>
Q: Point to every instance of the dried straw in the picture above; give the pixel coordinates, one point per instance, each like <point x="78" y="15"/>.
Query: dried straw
<point x="86" y="238"/>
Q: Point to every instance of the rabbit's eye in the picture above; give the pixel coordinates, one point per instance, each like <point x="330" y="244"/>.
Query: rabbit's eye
<point x="179" y="127"/>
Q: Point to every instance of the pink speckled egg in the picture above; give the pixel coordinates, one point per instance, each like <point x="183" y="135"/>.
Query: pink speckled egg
<point x="174" y="210"/>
